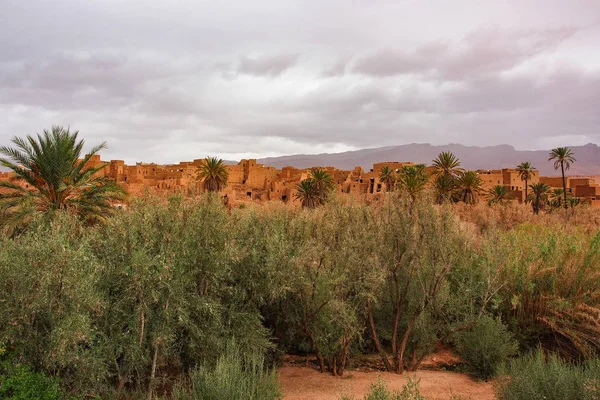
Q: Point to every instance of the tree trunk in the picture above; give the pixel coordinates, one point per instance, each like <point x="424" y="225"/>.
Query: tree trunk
<point x="313" y="343"/>
<point x="396" y="325"/>
<point x="400" y="355"/>
<point x="153" y="372"/>
<point x="376" y="341"/>
<point x="562" y="168"/>
<point x="343" y="360"/>
<point x="525" y="201"/>
<point x="413" y="361"/>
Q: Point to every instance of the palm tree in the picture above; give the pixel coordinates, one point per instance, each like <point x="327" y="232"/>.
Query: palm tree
<point x="447" y="163"/>
<point x="307" y="193"/>
<point x="499" y="194"/>
<point x="469" y="186"/>
<point x="574" y="201"/>
<point x="214" y="174"/>
<point x="50" y="176"/>
<point x="556" y="198"/>
<point x="525" y="170"/>
<point x="323" y="183"/>
<point x="444" y="187"/>
<point x="563" y="157"/>
<point x="538" y="196"/>
<point x="387" y="176"/>
<point x="412" y="179"/>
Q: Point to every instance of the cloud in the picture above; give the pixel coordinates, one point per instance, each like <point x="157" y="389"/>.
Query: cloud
<point x="482" y="51"/>
<point x="163" y="81"/>
<point x="269" y="66"/>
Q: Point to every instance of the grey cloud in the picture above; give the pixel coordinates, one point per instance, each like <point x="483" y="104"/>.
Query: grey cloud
<point x="266" y="65"/>
<point x="485" y="50"/>
<point x="336" y="69"/>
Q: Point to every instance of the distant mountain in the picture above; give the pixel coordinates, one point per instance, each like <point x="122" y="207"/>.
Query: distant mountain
<point x="471" y="157"/>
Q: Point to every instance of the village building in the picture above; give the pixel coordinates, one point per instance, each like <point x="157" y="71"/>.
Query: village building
<point x="250" y="181"/>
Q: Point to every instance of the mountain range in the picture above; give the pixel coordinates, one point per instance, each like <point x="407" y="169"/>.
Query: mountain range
<point x="471" y="157"/>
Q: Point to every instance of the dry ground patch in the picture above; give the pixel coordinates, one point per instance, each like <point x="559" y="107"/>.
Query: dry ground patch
<point x="303" y="383"/>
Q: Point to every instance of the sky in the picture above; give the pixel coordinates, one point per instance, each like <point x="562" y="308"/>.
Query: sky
<point x="174" y="80"/>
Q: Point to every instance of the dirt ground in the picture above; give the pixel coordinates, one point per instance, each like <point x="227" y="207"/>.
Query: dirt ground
<point x="303" y="383"/>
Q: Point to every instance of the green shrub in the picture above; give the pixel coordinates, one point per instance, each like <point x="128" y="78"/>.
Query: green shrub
<point x="234" y="377"/>
<point x="379" y="391"/>
<point x="486" y="346"/>
<point x="18" y="382"/>
<point x="537" y="376"/>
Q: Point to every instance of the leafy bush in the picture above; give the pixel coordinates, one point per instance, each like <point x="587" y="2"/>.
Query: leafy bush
<point x="537" y="377"/>
<point x="486" y="346"/>
<point x="234" y="377"/>
<point x="18" y="382"/>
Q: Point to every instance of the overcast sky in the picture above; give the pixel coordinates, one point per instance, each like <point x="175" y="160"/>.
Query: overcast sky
<point x="171" y="80"/>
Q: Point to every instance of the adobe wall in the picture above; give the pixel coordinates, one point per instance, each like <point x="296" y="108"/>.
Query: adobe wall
<point x="554" y="181"/>
<point x="491" y="178"/>
<point x="587" y="190"/>
<point x="574" y="182"/>
<point x="394" y="165"/>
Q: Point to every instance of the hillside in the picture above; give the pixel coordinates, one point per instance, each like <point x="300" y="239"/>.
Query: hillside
<point x="472" y="157"/>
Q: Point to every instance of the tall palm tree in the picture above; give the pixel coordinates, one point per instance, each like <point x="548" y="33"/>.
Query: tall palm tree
<point x="49" y="175"/>
<point x="307" y="193"/>
<point x="499" y="194"/>
<point x="412" y="179"/>
<point x="387" y="176"/>
<point x="444" y="187"/>
<point x="214" y="174"/>
<point x="447" y="163"/>
<point x="323" y="183"/>
<point x="538" y="196"/>
<point x="563" y="158"/>
<point x="525" y="170"/>
<point x="469" y="186"/>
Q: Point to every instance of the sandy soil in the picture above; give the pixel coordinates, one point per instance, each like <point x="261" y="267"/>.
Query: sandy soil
<point x="300" y="383"/>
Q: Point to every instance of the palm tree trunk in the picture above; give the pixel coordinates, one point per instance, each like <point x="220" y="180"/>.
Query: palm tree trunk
<point x="562" y="168"/>
<point x="525" y="201"/>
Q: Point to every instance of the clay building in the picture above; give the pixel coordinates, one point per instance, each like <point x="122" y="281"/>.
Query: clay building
<point x="509" y="178"/>
<point x="249" y="181"/>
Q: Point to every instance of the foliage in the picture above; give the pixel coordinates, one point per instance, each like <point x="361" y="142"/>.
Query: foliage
<point x="525" y="171"/>
<point x="308" y="194"/>
<point x="548" y="377"/>
<point x="167" y="283"/>
<point x="213" y="173"/>
<point x="316" y="190"/>
<point x="468" y="186"/>
<point x="18" y="382"/>
<point x="551" y="289"/>
<point x="417" y="253"/>
<point x="388" y="177"/>
<point x="444" y="187"/>
<point x="379" y="391"/>
<point x="50" y="176"/>
<point x="499" y="194"/>
<point x="563" y="157"/>
<point x="486" y="346"/>
<point x="538" y="196"/>
<point x="446" y="163"/>
<point x="235" y="376"/>
<point x="412" y="180"/>
<point x="323" y="183"/>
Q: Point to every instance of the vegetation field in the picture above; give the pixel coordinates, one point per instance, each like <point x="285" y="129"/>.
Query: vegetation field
<point x="180" y="298"/>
